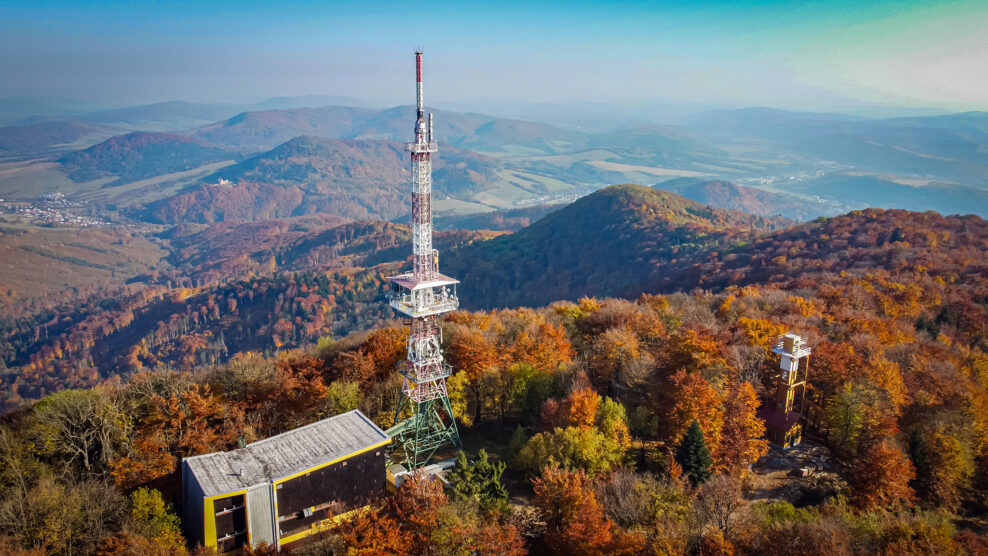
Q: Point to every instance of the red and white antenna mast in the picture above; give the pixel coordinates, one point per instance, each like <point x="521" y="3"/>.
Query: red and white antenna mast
<point x="423" y="294"/>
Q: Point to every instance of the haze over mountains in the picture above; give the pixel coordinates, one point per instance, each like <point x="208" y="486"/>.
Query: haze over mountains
<point x="157" y="162"/>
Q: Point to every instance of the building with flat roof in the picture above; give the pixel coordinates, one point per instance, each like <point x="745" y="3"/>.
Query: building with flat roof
<point x="284" y="488"/>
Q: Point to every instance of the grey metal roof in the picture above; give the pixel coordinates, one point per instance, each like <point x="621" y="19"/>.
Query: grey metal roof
<point x="287" y="453"/>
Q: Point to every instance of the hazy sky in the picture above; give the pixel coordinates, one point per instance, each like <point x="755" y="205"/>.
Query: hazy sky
<point x="806" y="55"/>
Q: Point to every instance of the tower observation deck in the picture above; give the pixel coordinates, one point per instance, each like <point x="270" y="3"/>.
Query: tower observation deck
<point x="424" y="419"/>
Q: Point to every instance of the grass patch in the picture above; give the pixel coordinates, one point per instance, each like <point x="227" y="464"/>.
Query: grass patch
<point x="64" y="258"/>
<point x="94" y="249"/>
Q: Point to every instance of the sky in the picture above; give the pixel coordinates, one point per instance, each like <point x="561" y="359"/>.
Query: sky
<point x="822" y="56"/>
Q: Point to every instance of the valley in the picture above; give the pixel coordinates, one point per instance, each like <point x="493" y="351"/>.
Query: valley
<point x="283" y="159"/>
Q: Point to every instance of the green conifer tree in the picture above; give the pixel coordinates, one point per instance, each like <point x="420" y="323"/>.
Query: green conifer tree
<point x="692" y="454"/>
<point x="493" y="493"/>
<point x="480" y="480"/>
<point x="462" y="479"/>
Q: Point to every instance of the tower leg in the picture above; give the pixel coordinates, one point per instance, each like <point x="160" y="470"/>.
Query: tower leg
<point x="430" y="427"/>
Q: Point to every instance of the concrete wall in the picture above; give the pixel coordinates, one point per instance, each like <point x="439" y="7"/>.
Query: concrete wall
<point x="192" y="502"/>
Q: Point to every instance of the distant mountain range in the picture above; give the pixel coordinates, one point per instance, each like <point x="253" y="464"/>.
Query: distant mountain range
<point x="952" y="147"/>
<point x="265" y="129"/>
<point x="26" y="109"/>
<point x="285" y="158"/>
<point x="726" y="195"/>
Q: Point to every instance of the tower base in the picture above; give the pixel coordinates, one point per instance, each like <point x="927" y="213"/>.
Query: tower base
<point x="416" y="439"/>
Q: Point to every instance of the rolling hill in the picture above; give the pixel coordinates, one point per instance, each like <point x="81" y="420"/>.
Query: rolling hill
<point x="262" y="130"/>
<point x="230" y="250"/>
<point x="166" y="116"/>
<point x="138" y="156"/>
<point x="61" y="264"/>
<point x="47" y="137"/>
<point x="25" y="109"/>
<point x="611" y="243"/>
<point x="926" y="245"/>
<point x="659" y="146"/>
<point x="731" y="196"/>
<point x="352" y="179"/>
<point x="625" y="240"/>
<point x="505" y="220"/>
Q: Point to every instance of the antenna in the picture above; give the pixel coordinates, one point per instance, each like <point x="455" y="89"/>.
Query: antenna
<point x="419" y="103"/>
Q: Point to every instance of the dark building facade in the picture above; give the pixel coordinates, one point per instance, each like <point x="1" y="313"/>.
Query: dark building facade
<point x="284" y="488"/>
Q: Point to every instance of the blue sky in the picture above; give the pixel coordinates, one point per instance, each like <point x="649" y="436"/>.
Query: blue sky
<point x="812" y="55"/>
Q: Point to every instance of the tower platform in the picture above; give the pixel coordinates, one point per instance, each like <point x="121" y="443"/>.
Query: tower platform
<point x="416" y="297"/>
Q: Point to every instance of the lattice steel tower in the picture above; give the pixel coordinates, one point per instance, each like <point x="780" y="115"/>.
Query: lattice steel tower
<point x="423" y="294"/>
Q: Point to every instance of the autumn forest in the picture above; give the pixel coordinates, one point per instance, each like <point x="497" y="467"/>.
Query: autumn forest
<point x="614" y="411"/>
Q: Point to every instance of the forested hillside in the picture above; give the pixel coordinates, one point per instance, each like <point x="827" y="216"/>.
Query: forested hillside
<point x="138" y="156"/>
<point x="599" y="392"/>
<point x="204" y="305"/>
<point x="249" y="287"/>
<point x="309" y="175"/>
<point x="579" y="250"/>
<point x="615" y="242"/>
<point x="506" y="220"/>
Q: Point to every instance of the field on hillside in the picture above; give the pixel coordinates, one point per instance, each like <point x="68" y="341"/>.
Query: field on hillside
<point x="146" y="191"/>
<point x="30" y="178"/>
<point x="37" y="262"/>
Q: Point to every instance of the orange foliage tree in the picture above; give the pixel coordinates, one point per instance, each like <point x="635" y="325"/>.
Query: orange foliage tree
<point x="882" y="477"/>
<point x="761" y="332"/>
<point x="575" y="521"/>
<point x="742" y="441"/>
<point x="543" y="346"/>
<point x="386" y="347"/>
<point x="195" y="422"/>
<point x="693" y="397"/>
<point x="294" y="397"/>
<point x="418" y="520"/>
<point x="582" y="406"/>
<point x="147" y="460"/>
<point x="471" y="352"/>
<point x="375" y="532"/>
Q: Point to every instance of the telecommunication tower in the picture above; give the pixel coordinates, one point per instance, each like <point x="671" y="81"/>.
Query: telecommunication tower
<point x="423" y="295"/>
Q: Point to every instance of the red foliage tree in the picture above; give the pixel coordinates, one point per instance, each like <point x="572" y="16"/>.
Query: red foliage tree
<point x="882" y="477"/>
